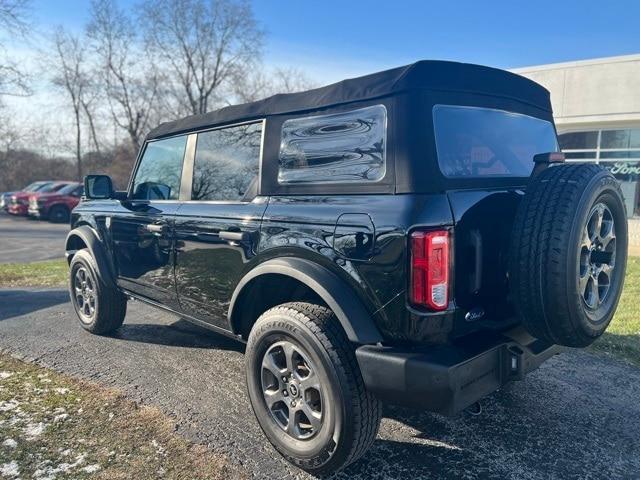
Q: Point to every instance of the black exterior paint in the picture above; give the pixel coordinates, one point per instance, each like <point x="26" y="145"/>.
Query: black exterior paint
<point x="208" y="267"/>
<point x="358" y="232"/>
<point x="342" y="244"/>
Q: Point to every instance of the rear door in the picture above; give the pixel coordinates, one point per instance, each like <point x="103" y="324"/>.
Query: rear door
<point x="217" y="231"/>
<point x="142" y="230"/>
<point x="481" y="149"/>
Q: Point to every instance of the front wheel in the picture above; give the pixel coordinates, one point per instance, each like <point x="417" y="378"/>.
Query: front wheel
<point x="306" y="389"/>
<point x="101" y="308"/>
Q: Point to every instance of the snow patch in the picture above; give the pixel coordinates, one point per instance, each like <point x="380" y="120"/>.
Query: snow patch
<point x="61" y="391"/>
<point x="60" y="418"/>
<point x="160" y="450"/>
<point x="4" y="375"/>
<point x="91" y="468"/>
<point x="34" y="430"/>
<point x="7" y="405"/>
<point x="10" y="469"/>
<point x="49" y="472"/>
<point x="10" y="443"/>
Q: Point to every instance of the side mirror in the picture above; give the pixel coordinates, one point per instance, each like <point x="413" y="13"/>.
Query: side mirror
<point x="98" y="187"/>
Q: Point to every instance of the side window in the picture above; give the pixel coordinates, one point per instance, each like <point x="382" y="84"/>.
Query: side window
<point x="336" y="148"/>
<point x="160" y="170"/>
<point x="226" y="163"/>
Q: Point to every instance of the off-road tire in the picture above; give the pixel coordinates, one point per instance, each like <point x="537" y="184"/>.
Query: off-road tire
<point x="545" y="253"/>
<point x="110" y="303"/>
<point x="58" y="214"/>
<point x="353" y="414"/>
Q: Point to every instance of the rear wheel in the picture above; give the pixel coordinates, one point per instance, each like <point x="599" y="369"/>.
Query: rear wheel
<point x="306" y="388"/>
<point x="100" y="308"/>
<point x="568" y="254"/>
<point x="58" y="214"/>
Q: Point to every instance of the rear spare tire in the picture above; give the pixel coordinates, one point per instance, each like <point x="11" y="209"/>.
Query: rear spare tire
<point x="568" y="254"/>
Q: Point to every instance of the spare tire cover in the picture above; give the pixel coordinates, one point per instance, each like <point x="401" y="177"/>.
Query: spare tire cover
<point x="568" y="254"/>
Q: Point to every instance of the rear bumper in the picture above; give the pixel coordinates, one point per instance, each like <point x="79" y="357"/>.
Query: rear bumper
<point x="447" y="379"/>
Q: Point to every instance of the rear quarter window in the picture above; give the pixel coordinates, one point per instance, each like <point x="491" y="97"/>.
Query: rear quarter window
<point x="483" y="142"/>
<point x="337" y="148"/>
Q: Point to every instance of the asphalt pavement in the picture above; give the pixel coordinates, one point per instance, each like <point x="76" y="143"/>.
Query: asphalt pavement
<point x="578" y="416"/>
<point x="23" y="240"/>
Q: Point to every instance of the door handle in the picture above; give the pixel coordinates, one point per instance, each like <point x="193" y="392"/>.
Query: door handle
<point x="155" y="228"/>
<point x="234" y="236"/>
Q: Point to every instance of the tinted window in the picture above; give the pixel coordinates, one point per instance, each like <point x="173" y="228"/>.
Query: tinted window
<point x="620" y="139"/>
<point x="578" y="140"/>
<point x="159" y="172"/>
<point x="580" y="155"/>
<point x="342" y="147"/>
<point x="226" y="163"/>
<point x="481" y="142"/>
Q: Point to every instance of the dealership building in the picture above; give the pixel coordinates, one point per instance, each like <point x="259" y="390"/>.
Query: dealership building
<point x="596" y="106"/>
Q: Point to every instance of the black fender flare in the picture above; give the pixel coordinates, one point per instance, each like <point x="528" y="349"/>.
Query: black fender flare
<point x="353" y="316"/>
<point x="90" y="238"/>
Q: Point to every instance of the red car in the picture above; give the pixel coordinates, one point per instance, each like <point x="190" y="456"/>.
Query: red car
<point x="56" y="205"/>
<point x="19" y="203"/>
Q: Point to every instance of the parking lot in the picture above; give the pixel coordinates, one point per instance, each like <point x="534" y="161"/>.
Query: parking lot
<point x="576" y="417"/>
<point x="23" y="240"/>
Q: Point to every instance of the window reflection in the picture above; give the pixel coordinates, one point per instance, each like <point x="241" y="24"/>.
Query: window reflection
<point x="158" y="176"/>
<point x="617" y="150"/>
<point x="342" y="147"/>
<point x="226" y="163"/>
<point x="481" y="142"/>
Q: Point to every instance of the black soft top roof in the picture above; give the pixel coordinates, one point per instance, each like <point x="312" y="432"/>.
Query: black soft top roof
<point x="425" y="74"/>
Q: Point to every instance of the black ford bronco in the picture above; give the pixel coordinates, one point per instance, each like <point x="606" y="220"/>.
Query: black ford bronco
<point x="412" y="236"/>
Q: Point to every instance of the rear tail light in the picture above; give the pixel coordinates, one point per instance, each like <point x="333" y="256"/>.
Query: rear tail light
<point x="430" y="269"/>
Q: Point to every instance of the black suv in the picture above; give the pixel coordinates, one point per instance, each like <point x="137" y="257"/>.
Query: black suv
<point x="412" y="236"/>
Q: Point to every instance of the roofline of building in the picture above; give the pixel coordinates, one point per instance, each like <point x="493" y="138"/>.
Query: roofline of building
<point x="578" y="63"/>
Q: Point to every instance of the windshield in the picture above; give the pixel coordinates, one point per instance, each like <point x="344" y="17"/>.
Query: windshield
<point x="482" y="142"/>
<point x="67" y="189"/>
<point x="52" y="187"/>
<point x="35" y="186"/>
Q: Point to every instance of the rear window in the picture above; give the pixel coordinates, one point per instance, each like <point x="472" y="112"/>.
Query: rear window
<point x="482" y="142"/>
<point x="338" y="148"/>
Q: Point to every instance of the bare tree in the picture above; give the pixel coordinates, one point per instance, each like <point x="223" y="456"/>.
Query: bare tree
<point x="260" y="84"/>
<point x="13" y="14"/>
<point x="204" y="45"/>
<point x="131" y="83"/>
<point x="71" y="77"/>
